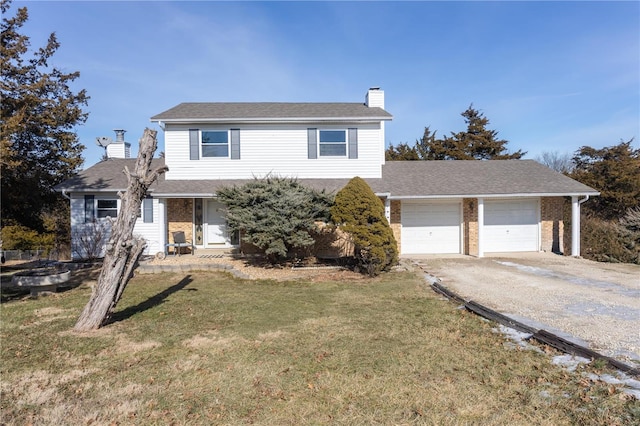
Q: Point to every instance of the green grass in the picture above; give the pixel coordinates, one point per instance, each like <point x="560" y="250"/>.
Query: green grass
<point x="206" y="348"/>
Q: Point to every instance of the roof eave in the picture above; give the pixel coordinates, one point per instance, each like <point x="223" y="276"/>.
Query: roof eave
<point x="269" y="120"/>
<point x="502" y="195"/>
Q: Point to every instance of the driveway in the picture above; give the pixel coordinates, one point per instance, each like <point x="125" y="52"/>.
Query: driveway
<point x="584" y="301"/>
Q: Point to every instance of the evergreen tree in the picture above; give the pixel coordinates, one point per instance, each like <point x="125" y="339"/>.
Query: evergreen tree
<point x="275" y="214"/>
<point x="360" y="213"/>
<point x="476" y="143"/>
<point x="615" y="172"/>
<point x="402" y="152"/>
<point x="39" y="111"/>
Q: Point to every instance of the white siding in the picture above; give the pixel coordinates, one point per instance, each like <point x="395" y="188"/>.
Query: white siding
<point x="151" y="232"/>
<point x="276" y="149"/>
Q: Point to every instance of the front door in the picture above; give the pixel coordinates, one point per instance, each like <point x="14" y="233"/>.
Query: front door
<point x="216" y="225"/>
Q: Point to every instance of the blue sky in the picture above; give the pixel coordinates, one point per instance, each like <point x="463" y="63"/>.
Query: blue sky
<point x="550" y="76"/>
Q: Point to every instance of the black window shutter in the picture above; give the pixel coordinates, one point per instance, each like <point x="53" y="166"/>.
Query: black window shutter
<point x="312" y="144"/>
<point x="235" y="144"/>
<point x="147" y="210"/>
<point x="194" y="144"/>
<point x="89" y="208"/>
<point x="353" y="143"/>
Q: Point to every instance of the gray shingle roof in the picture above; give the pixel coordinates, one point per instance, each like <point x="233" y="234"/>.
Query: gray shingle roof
<point x="105" y="176"/>
<point x="269" y="111"/>
<point x="402" y="179"/>
<point x="474" y="178"/>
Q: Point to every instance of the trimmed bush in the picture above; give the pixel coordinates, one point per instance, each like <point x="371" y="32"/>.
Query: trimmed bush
<point x="275" y="214"/>
<point x="360" y="213"/>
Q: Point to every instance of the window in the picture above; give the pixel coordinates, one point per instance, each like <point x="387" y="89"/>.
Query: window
<point x="215" y="143"/>
<point x="333" y="143"/>
<point x="89" y="208"/>
<point x="147" y="210"/>
<point x="107" y="208"/>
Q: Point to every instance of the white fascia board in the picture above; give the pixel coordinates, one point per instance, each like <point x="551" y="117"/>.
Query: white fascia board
<point x="515" y="195"/>
<point x="94" y="190"/>
<point x="273" y="120"/>
<point x="185" y="195"/>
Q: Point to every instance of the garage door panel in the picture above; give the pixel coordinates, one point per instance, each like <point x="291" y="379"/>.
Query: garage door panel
<point x="430" y="228"/>
<point x="511" y="226"/>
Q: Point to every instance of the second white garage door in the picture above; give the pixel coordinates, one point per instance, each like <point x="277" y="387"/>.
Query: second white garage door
<point x="511" y="226"/>
<point x="430" y="228"/>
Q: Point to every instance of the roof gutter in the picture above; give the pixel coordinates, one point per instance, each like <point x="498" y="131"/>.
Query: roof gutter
<point x="585" y="199"/>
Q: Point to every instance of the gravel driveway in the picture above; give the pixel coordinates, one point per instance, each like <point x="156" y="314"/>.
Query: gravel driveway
<point x="597" y="303"/>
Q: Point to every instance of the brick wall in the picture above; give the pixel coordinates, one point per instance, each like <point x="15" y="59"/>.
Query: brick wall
<point x="180" y="217"/>
<point x="470" y="226"/>
<point x="552" y="226"/>
<point x="396" y="225"/>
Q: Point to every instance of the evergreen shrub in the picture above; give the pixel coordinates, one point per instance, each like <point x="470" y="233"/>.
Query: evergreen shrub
<point x="360" y="213"/>
<point x="275" y="214"/>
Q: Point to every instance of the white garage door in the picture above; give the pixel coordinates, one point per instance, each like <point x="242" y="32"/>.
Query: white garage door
<point x="430" y="228"/>
<point x="511" y="226"/>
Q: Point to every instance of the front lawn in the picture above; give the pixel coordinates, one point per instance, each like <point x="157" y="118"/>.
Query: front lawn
<point x="205" y="348"/>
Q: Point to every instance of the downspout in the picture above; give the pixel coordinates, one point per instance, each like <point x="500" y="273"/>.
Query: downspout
<point x="575" y="224"/>
<point x="64" y="194"/>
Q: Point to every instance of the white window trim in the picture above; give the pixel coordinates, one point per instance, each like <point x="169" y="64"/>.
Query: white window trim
<point x="345" y="143"/>
<point x="202" y="145"/>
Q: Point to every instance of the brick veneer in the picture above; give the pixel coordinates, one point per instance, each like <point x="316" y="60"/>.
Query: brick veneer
<point x="551" y="216"/>
<point x="396" y="225"/>
<point x="180" y="217"/>
<point x="470" y="226"/>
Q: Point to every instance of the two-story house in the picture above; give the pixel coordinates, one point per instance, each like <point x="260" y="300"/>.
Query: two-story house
<point x="467" y="207"/>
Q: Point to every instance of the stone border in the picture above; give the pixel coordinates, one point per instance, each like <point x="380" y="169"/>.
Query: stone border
<point x="144" y="269"/>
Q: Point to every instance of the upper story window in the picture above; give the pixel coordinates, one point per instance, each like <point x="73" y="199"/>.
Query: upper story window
<point x="333" y="143"/>
<point x="215" y="144"/>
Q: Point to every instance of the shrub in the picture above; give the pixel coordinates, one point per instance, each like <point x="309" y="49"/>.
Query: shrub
<point x="629" y="230"/>
<point x="605" y="241"/>
<point x="360" y="213"/>
<point x="19" y="237"/>
<point x="275" y="214"/>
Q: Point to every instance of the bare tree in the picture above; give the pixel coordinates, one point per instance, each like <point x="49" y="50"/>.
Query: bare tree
<point x="123" y="249"/>
<point x="562" y="163"/>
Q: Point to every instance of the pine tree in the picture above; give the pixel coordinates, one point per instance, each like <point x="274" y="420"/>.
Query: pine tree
<point x="615" y="172"/>
<point x="360" y="213"/>
<point x="39" y="111"/>
<point x="477" y="142"/>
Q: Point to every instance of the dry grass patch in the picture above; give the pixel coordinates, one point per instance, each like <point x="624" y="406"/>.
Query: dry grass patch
<point x="204" y="348"/>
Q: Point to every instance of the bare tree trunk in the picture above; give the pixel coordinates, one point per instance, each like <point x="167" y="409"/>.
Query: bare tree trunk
<point x="123" y="249"/>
